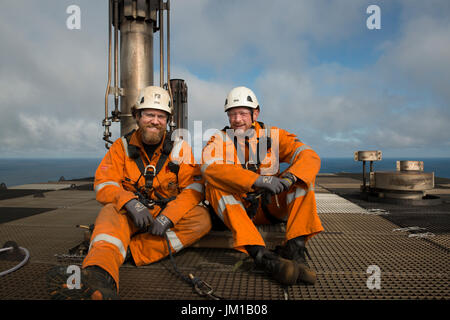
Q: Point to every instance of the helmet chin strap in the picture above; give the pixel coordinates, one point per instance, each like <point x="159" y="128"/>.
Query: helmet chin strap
<point x="253" y="114"/>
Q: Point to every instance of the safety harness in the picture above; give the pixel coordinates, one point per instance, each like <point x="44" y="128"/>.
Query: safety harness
<point x="259" y="197"/>
<point x="149" y="172"/>
<point x="246" y="164"/>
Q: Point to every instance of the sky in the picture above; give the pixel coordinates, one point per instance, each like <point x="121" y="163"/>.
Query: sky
<point x="317" y="69"/>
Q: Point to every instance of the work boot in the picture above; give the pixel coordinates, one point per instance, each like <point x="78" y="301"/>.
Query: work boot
<point x="95" y="284"/>
<point x="283" y="270"/>
<point x="295" y="249"/>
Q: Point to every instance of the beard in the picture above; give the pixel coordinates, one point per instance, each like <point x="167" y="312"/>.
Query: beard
<point x="244" y="132"/>
<point x="151" y="137"/>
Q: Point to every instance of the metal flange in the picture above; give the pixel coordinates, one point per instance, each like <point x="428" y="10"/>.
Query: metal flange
<point x="368" y="155"/>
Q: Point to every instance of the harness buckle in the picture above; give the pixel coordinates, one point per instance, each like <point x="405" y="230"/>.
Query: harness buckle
<point x="151" y="167"/>
<point x="251" y="166"/>
<point x="149" y="177"/>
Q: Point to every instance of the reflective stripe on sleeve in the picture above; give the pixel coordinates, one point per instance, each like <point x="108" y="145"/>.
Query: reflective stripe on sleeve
<point x="125" y="146"/>
<point x="104" y="184"/>
<point x="110" y="239"/>
<point x="299" y="192"/>
<point x="298" y="150"/>
<point x="196" y="186"/>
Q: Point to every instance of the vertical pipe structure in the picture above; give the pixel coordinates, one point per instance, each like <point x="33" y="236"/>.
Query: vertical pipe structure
<point x="173" y="123"/>
<point x="116" y="61"/>
<point x="137" y="21"/>
<point x="161" y="45"/>
<point x="106" y="122"/>
<point x="364" y="175"/>
<point x="168" y="42"/>
<point x="179" y="99"/>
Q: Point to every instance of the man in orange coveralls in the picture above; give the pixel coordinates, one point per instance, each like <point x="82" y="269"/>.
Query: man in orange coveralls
<point x="148" y="161"/>
<point x="241" y="171"/>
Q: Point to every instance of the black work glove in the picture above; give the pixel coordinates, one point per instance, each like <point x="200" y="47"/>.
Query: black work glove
<point x="160" y="225"/>
<point x="270" y="183"/>
<point x="138" y="213"/>
<point x="288" y="179"/>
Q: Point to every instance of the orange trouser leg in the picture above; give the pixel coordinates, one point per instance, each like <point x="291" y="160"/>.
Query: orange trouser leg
<point x="109" y="241"/>
<point x="303" y="219"/>
<point x="230" y="209"/>
<point x="299" y="206"/>
<point x="112" y="232"/>
<point x="147" y="248"/>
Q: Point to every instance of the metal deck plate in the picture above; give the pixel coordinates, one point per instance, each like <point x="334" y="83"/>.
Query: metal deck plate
<point x="411" y="267"/>
<point x="332" y="203"/>
<point x="12" y="213"/>
<point x="42" y="186"/>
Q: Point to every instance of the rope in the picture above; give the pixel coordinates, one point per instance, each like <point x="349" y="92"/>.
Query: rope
<point x="201" y="287"/>
<point x="21" y="264"/>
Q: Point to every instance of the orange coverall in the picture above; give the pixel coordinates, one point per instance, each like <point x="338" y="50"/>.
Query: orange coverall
<point x="113" y="232"/>
<point x="227" y="182"/>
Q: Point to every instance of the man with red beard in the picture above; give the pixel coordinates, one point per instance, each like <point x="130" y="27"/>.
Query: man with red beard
<point x="146" y="161"/>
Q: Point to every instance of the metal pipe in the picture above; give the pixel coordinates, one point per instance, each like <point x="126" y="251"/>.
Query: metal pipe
<point x="109" y="61"/>
<point x="161" y="44"/>
<point x="364" y="174"/>
<point x="106" y="122"/>
<point x="168" y="44"/>
<point x="136" y="63"/>
<point x="116" y="58"/>
<point x="172" y="123"/>
<point x="135" y="21"/>
<point x="6" y="249"/>
<point x="179" y="92"/>
<point x="18" y="266"/>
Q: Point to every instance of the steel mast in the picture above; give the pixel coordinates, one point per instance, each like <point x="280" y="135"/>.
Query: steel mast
<point x="136" y="21"/>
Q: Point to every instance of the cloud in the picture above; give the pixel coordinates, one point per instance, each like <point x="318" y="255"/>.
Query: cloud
<point x="232" y="37"/>
<point x="52" y="83"/>
<point x="421" y="57"/>
<point x="358" y="115"/>
<point x="52" y="80"/>
<point x="205" y="107"/>
<point x="399" y="102"/>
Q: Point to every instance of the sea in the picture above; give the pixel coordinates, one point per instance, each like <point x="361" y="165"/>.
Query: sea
<point x="14" y="172"/>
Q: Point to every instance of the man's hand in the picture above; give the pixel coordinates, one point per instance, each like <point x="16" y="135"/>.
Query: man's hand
<point x="138" y="213"/>
<point x="161" y="224"/>
<point x="270" y="183"/>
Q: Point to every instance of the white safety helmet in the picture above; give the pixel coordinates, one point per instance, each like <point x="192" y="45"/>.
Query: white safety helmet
<point x="241" y="97"/>
<point x="155" y="98"/>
